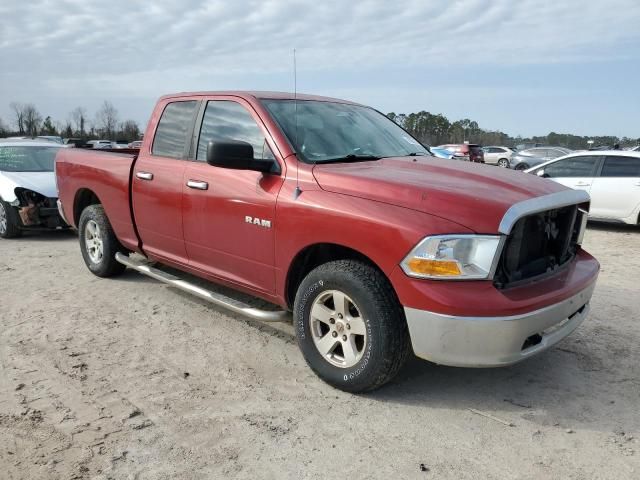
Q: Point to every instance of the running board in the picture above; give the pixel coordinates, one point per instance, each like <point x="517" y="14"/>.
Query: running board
<point x="213" y="297"/>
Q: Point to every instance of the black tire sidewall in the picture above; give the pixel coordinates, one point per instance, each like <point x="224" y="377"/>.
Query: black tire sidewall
<point x="13" y="221"/>
<point x="107" y="266"/>
<point x="363" y="374"/>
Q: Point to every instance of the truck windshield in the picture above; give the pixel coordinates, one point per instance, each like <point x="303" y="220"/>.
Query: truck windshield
<point x="327" y="132"/>
<point x="27" y="158"/>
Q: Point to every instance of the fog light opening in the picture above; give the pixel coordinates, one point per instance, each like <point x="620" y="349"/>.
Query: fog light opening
<point x="532" y="341"/>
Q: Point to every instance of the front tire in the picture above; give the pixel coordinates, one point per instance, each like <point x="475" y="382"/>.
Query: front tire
<point x="521" y="166"/>
<point x="9" y="221"/>
<point x="350" y="326"/>
<point x="98" y="243"/>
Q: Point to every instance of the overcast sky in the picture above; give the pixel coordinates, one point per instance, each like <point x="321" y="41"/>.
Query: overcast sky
<point x="525" y="67"/>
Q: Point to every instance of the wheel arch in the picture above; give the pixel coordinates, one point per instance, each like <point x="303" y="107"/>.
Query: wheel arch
<point x="84" y="197"/>
<point x="317" y="254"/>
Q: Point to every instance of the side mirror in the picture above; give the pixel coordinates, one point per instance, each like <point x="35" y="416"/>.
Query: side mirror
<point x="237" y="155"/>
<point x="540" y="173"/>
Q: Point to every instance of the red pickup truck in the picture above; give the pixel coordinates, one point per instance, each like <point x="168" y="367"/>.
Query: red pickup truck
<point x="333" y="213"/>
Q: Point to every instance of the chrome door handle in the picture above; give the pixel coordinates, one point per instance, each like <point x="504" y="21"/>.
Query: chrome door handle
<point x="144" y="175"/>
<point x="198" y="185"/>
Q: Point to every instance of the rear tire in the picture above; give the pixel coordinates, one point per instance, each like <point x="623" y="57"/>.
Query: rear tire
<point x="503" y="162"/>
<point x="9" y="221"/>
<point x="350" y="326"/>
<point x="98" y="243"/>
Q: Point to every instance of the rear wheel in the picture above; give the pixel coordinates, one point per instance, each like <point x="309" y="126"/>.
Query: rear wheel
<point x="9" y="221"/>
<point x="98" y="243"/>
<point x="521" y="166"/>
<point x="503" y="162"/>
<point x="350" y="326"/>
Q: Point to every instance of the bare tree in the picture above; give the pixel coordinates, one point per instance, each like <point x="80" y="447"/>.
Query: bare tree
<point x="79" y="119"/>
<point x="129" y="130"/>
<point x="32" y="119"/>
<point x="18" y="112"/>
<point x="107" y="119"/>
<point x="3" y="128"/>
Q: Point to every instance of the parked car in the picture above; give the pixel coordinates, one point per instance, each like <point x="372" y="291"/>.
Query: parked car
<point x="52" y="138"/>
<point x="27" y="187"/>
<point x="612" y="179"/>
<point x="331" y="211"/>
<point x="465" y="151"/>
<point x="135" y="144"/>
<point x="441" y="153"/>
<point x="99" y="144"/>
<point x="525" y="159"/>
<point x="75" y="142"/>
<point x="527" y="146"/>
<point x="498" y="156"/>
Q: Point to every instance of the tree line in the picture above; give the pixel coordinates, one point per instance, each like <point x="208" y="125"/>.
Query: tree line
<point x="436" y="129"/>
<point x="105" y="124"/>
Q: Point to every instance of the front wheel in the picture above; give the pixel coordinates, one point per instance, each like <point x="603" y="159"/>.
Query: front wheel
<point x="9" y="221"/>
<point x="503" y="162"/>
<point x="350" y="326"/>
<point x="521" y="166"/>
<point x="98" y="243"/>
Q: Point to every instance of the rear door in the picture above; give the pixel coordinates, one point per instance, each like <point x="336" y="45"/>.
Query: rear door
<point x="157" y="183"/>
<point x="574" y="172"/>
<point x="616" y="191"/>
<point x="229" y="214"/>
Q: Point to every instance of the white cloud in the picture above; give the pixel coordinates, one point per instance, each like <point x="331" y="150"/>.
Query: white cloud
<point x="122" y="48"/>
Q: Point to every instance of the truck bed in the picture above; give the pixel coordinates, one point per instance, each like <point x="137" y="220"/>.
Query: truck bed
<point x="107" y="175"/>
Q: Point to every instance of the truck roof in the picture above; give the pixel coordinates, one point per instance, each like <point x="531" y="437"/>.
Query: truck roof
<point x="247" y="94"/>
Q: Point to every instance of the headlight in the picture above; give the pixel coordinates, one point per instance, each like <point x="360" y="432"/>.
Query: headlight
<point x="462" y="257"/>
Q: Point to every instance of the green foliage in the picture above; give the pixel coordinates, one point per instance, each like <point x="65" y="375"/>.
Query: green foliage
<point x="434" y="130"/>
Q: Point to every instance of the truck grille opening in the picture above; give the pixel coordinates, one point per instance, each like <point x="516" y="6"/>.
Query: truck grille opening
<point x="539" y="244"/>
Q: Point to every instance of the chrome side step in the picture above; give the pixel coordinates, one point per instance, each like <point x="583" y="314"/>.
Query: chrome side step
<point x="213" y="297"/>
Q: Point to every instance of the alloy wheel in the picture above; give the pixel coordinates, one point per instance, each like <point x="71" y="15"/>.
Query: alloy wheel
<point x="338" y="329"/>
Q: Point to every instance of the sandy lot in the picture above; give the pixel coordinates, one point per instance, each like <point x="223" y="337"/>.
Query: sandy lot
<point x="127" y="378"/>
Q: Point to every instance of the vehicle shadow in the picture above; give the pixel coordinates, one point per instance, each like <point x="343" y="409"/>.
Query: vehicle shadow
<point x="612" y="227"/>
<point x="561" y="387"/>
<point x="48" y="235"/>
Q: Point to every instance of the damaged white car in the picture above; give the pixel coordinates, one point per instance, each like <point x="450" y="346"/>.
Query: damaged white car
<point x="28" y="194"/>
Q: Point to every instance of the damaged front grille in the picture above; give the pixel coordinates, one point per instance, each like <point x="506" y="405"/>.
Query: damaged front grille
<point x="539" y="244"/>
<point x="36" y="210"/>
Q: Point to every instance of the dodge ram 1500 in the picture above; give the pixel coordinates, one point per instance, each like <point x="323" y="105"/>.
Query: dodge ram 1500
<point x="331" y="211"/>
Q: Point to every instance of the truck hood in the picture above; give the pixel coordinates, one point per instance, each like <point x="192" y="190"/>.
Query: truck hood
<point x="43" y="183"/>
<point x="470" y="194"/>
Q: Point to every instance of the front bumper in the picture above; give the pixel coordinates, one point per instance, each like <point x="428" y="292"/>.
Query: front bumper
<point x="494" y="341"/>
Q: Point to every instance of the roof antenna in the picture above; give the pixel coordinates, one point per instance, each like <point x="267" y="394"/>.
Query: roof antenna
<point x="298" y="190"/>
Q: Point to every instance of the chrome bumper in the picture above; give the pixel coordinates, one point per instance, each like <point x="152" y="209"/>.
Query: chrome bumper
<point x="61" y="212"/>
<point x="494" y="341"/>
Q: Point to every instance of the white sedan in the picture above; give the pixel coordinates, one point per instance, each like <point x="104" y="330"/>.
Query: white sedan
<point x="612" y="178"/>
<point x="28" y="193"/>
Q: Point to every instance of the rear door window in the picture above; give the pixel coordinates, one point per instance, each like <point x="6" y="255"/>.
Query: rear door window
<point x="171" y="134"/>
<point x="621" y="167"/>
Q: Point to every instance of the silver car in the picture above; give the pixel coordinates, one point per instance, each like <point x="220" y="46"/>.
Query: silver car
<point x="535" y="156"/>
<point x="498" y="155"/>
<point x="28" y="194"/>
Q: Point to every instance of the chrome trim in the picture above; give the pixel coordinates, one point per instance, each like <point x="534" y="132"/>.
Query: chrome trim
<point x="497" y="257"/>
<point x="198" y="185"/>
<point x="493" y="341"/>
<point x="583" y="225"/>
<point x="216" y="298"/>
<point x="144" y="175"/>
<point x="540" y="204"/>
<point x="61" y="211"/>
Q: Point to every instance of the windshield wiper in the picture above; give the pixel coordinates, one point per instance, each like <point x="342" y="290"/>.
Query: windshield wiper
<point x="417" y="154"/>
<point x="352" y="157"/>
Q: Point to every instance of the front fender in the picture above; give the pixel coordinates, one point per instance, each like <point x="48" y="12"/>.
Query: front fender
<point x="7" y="190"/>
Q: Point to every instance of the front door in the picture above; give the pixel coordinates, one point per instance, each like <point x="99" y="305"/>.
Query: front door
<point x="229" y="215"/>
<point x="574" y="172"/>
<point x="157" y="184"/>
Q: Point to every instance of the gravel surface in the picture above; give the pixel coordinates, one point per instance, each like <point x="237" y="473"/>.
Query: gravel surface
<point x="127" y="378"/>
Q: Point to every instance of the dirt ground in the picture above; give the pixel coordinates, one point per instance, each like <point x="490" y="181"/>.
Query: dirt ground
<point x="129" y="379"/>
